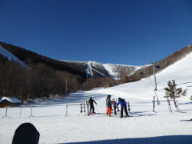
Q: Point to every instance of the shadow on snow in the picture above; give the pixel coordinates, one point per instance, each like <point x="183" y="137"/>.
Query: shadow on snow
<point x="175" y="139"/>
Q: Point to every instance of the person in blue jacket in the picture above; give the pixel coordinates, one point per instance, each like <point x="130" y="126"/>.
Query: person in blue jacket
<point x="123" y="104"/>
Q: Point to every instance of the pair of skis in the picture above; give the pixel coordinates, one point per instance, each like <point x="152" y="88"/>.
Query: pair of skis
<point x="88" y="112"/>
<point x="176" y="106"/>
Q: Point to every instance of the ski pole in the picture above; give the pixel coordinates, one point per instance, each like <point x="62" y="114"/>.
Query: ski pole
<point x="97" y="109"/>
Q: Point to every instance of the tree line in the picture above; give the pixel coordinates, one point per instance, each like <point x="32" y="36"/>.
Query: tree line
<point x="42" y="81"/>
<point x="34" y="81"/>
<point x="148" y="70"/>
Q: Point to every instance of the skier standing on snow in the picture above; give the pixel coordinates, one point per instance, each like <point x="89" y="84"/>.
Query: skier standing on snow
<point x="114" y="104"/>
<point x="109" y="106"/>
<point x="91" y="101"/>
<point x="123" y="104"/>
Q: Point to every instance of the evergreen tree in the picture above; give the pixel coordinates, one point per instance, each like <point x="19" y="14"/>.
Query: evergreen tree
<point x="172" y="92"/>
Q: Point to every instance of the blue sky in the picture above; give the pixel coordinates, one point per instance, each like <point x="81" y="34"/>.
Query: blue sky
<point x="133" y="32"/>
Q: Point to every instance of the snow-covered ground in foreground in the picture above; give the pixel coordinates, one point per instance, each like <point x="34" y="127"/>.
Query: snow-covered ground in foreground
<point x="144" y="126"/>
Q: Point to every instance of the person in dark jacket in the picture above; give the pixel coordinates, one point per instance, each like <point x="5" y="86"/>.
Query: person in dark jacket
<point x="109" y="105"/>
<point x="91" y="101"/>
<point x="123" y="104"/>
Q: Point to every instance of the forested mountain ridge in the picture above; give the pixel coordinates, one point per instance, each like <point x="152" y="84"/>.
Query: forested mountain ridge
<point x="85" y="70"/>
<point x="162" y="64"/>
<point x="46" y="77"/>
<point x="32" y="58"/>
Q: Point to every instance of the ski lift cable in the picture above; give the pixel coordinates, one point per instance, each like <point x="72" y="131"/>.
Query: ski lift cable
<point x="153" y="89"/>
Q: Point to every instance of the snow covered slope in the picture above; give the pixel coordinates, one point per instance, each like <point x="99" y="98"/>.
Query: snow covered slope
<point x="180" y="71"/>
<point x="95" y="69"/>
<point x="144" y="126"/>
<point x="114" y="70"/>
<point x="10" y="56"/>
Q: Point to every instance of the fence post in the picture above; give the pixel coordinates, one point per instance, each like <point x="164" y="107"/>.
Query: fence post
<point x="66" y="110"/>
<point x="153" y="103"/>
<point x="20" y="111"/>
<point x="5" y="113"/>
<point x="87" y="108"/>
<point x="31" y="115"/>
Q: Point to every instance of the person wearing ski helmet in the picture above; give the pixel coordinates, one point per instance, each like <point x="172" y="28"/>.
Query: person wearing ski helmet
<point x="123" y="104"/>
<point x="91" y="104"/>
<point x="114" y="104"/>
<point x="108" y="104"/>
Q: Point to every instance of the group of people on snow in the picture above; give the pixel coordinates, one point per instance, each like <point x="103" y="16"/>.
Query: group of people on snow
<point x="121" y="102"/>
<point x="111" y="104"/>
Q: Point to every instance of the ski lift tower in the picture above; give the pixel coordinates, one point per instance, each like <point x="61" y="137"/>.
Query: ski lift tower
<point x="154" y="70"/>
<point x="66" y="85"/>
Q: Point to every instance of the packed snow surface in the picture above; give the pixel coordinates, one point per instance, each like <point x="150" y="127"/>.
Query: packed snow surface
<point x="59" y="120"/>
